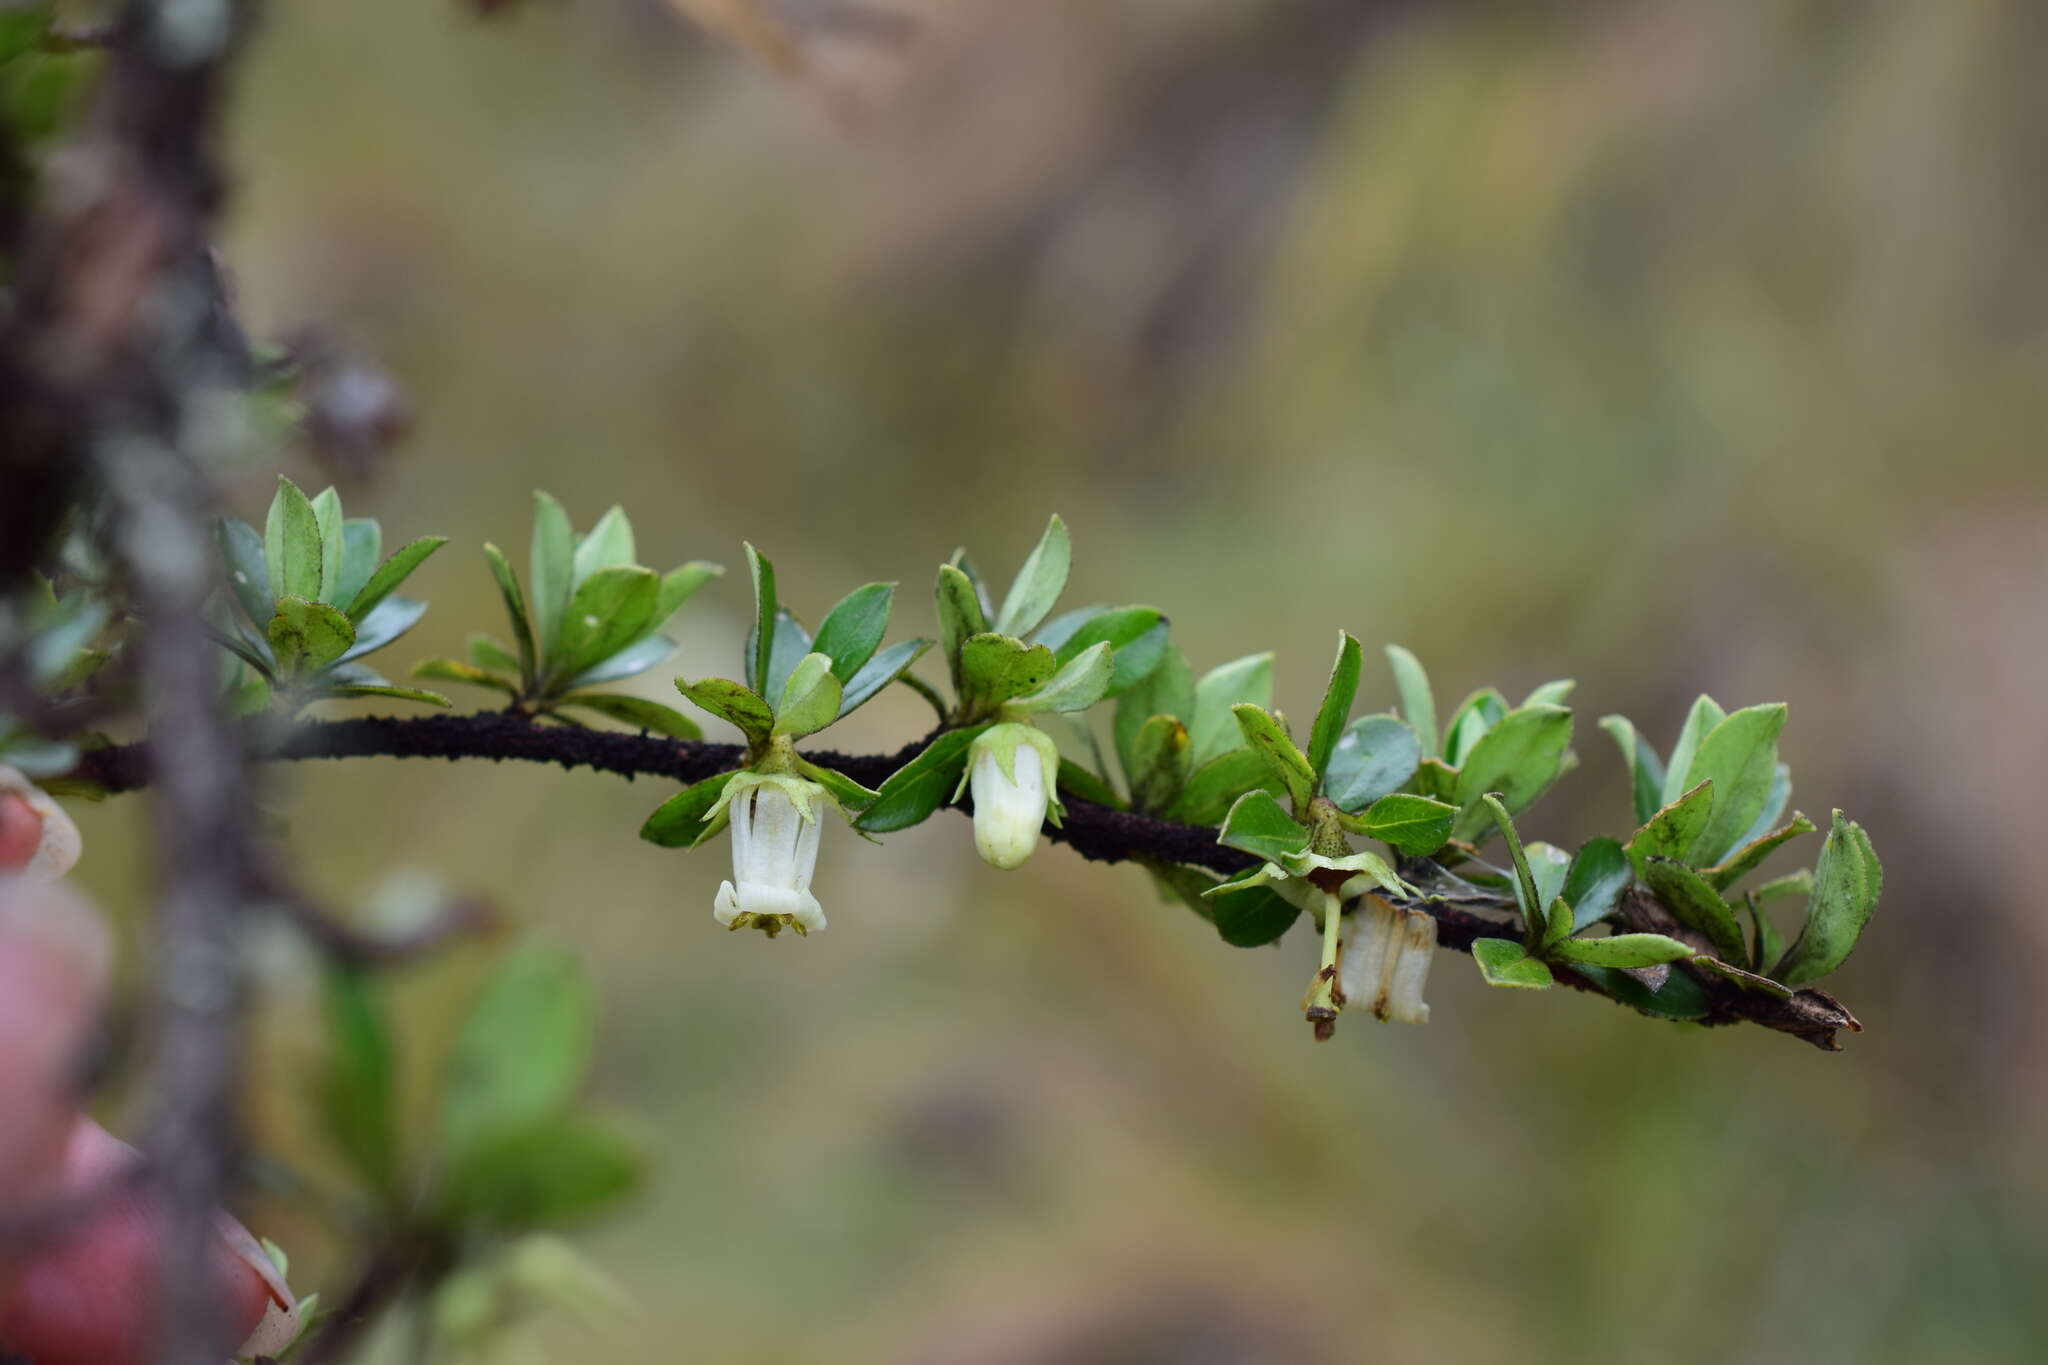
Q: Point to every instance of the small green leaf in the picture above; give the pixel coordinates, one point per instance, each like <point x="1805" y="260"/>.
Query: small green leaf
<point x="1259" y="825"/>
<point x="560" y="1170"/>
<point x="1288" y="764"/>
<point x="393" y="617"/>
<point x="306" y="635"/>
<point x="1645" y="772"/>
<point x="1696" y="905"/>
<point x="1161" y="757"/>
<point x="241" y="552"/>
<point x="521" y="1052"/>
<point x="390" y="574"/>
<point x="1766" y="946"/>
<point x="292" y="545"/>
<point x="1252" y="916"/>
<point x="1212" y="727"/>
<point x="763" y="638"/>
<point x="1518" y="758"/>
<point x="515" y="608"/>
<point x="1502" y="962"/>
<point x="1375" y="756"/>
<point x="1527" y="893"/>
<point x="551" y="568"/>
<point x="637" y="712"/>
<point x="327" y="513"/>
<point x="1774" y="807"/>
<point x="732" y="702"/>
<point x="852" y="631"/>
<point x="680" y="585"/>
<point x="1747" y="858"/>
<point x="1553" y="693"/>
<point x="1846" y="884"/>
<point x="608" y="611"/>
<point x="1136" y="637"/>
<point x="878" y="672"/>
<point x="1798" y="883"/>
<point x="362" y="546"/>
<point x="607" y="545"/>
<point x="1706" y="713"/>
<point x="1415" y="825"/>
<point x="1418" y="702"/>
<point x="1674" y="828"/>
<point x="637" y="657"/>
<point x="419" y="694"/>
<point x="1550" y="866"/>
<point x="810" y="699"/>
<point x="679" y="821"/>
<point x="1077" y="781"/>
<point x="454" y="670"/>
<point x="851" y="795"/>
<point x="922" y="785"/>
<point x="1740" y="757"/>
<point x="1077" y="686"/>
<point x="787" y="650"/>
<point x="994" y="668"/>
<point x="1600" y="873"/>
<point x="1211" y="788"/>
<point x="1038" y="584"/>
<point x="1168" y="691"/>
<point x="1338" y="694"/>
<point x="1557" y="923"/>
<point x="1748" y="980"/>
<point x="357" y="1086"/>
<point x="1476" y="715"/>
<point x="960" y="617"/>
<point x="1622" y="950"/>
<point x="1680" y="997"/>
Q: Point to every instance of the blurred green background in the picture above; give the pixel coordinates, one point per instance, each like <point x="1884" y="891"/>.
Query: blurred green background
<point x="1670" y="346"/>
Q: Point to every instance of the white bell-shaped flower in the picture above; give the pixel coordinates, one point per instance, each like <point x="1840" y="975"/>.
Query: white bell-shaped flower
<point x="1384" y="960"/>
<point x="1012" y="770"/>
<point x="775" y="828"/>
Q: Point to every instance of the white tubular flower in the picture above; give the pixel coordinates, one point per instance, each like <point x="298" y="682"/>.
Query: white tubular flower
<point x="775" y="829"/>
<point x="1013" y="771"/>
<point x="1384" y="960"/>
<point x="38" y="842"/>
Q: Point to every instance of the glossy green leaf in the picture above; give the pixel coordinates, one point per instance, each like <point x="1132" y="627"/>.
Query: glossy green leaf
<point x="609" y="610"/>
<point x="1375" y="755"/>
<point x="241" y="552"/>
<point x="960" y="617"/>
<point x="731" y="702"/>
<point x="1211" y="726"/>
<point x="454" y="670"/>
<point x="851" y="795"/>
<point x="1338" y="694"/>
<point x="1502" y="962"/>
<point x="878" y="672"/>
<point x="1038" y="584"/>
<point x="292" y="546"/>
<point x="515" y="608"/>
<point x="1518" y="758"/>
<point x="1259" y="825"/>
<point x="1681" y="997"/>
<point x="1168" y="691"/>
<point x="762" y="640"/>
<point x="1600" y="873"/>
<point x="1673" y="829"/>
<point x="1774" y="808"/>
<point x="1706" y="713"/>
<point x="327" y="514"/>
<point x="1415" y="825"/>
<point x="1476" y="715"/>
<point x="1766" y="945"/>
<point x="922" y="785"/>
<point x="679" y="821"/>
<point x="607" y="545"/>
<point x="1622" y="950"/>
<point x="810" y="699"/>
<point x="1161" y="755"/>
<point x="638" y="712"/>
<point x="1748" y="857"/>
<point x="1798" y="883"/>
<point x="1527" y="892"/>
<point x="1846" y="884"/>
<point x="1740" y="757"/>
<point x="561" y="1170"/>
<point x="1557" y="922"/>
<point x="1136" y="635"/>
<point x="1645" y="771"/>
<point x="1550" y="866"/>
<point x="387" y="577"/>
<point x="680" y="585"/>
<point x="362" y="546"/>
<point x="964" y="562"/>
<point x="356" y="1088"/>
<point x="1696" y="905"/>
<point x="852" y="631"/>
<point x="1251" y="917"/>
<point x="637" y="657"/>
<point x="305" y="635"/>
<point x="995" y="668"/>
<point x="551" y="569"/>
<point x="785" y="651"/>
<point x="393" y="617"/>
<point x="1418" y="702"/>
<point x="1553" y="693"/>
<point x="521" y="1052"/>
<point x="418" y="694"/>
<point x="1211" y="789"/>
<point x="1077" y="781"/>
<point x="1262" y="730"/>
<point x="1077" y="686"/>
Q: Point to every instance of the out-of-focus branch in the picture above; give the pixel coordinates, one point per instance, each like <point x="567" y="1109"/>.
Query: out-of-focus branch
<point x="1095" y="832"/>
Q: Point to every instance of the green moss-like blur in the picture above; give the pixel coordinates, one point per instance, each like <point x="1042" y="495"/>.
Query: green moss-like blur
<point x="1667" y="345"/>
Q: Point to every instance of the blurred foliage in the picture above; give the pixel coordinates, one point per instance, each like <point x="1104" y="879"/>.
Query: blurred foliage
<point x="1697" y="345"/>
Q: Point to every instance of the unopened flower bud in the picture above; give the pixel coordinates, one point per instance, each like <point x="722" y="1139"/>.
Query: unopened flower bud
<point x="1013" y="770"/>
